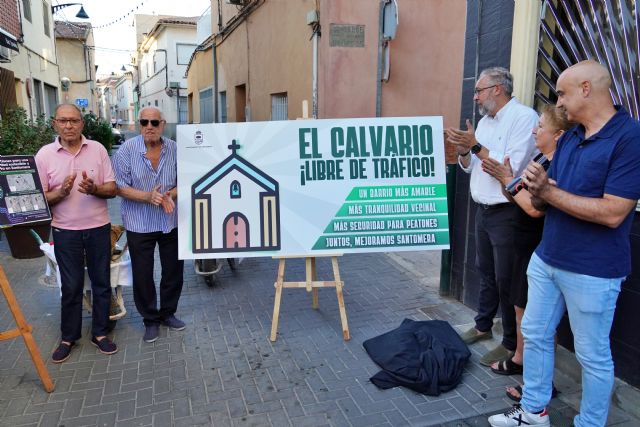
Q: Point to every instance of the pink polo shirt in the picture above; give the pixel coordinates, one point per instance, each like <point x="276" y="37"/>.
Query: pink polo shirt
<point x="77" y="211"/>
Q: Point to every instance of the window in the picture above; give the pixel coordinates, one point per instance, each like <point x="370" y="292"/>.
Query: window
<point x="45" y="18"/>
<point x="234" y="190"/>
<point x="206" y="106"/>
<point x="26" y="9"/>
<point x="279" y="106"/>
<point x="37" y="94"/>
<point x="156" y="102"/>
<point x="51" y="98"/>
<point x="184" y="52"/>
<point x="222" y="107"/>
<point x="183" y="110"/>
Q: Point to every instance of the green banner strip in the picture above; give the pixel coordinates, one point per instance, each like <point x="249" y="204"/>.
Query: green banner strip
<point x="389" y="192"/>
<point x="396" y="223"/>
<point x="380" y="240"/>
<point x="409" y="207"/>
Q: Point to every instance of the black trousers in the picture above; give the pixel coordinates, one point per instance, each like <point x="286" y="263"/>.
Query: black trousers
<point x="494" y="261"/>
<point x="72" y="248"/>
<point x="141" y="248"/>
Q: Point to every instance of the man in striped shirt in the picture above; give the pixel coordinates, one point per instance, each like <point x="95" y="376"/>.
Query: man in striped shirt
<point x="146" y="176"/>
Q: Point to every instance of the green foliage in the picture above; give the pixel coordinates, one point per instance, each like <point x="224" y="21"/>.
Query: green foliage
<point x="19" y="135"/>
<point x="98" y="130"/>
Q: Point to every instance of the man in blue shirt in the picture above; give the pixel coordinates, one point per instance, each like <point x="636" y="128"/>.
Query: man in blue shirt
<point x="591" y="192"/>
<point x="146" y="176"/>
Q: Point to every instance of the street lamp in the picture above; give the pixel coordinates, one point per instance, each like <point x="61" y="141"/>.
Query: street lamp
<point x="81" y="13"/>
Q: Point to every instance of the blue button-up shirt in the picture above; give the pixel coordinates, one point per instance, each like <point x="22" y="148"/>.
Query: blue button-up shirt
<point x="134" y="170"/>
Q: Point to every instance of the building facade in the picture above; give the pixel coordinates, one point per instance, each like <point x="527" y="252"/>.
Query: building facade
<point x="77" y="64"/>
<point x="36" y="78"/>
<point x="163" y="54"/>
<point x="271" y="60"/>
<point x="125" y="104"/>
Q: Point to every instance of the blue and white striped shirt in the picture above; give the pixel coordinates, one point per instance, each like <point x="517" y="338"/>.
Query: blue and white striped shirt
<point x="134" y="170"/>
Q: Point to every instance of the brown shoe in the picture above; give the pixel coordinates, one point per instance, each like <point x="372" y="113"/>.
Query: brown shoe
<point x="498" y="353"/>
<point x="473" y="335"/>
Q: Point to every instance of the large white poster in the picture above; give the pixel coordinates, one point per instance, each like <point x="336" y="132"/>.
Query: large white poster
<point x="310" y="187"/>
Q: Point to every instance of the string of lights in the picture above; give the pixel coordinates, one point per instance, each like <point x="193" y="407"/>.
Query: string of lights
<point x="121" y="18"/>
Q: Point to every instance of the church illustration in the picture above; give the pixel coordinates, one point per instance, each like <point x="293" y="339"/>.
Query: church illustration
<point x="235" y="207"/>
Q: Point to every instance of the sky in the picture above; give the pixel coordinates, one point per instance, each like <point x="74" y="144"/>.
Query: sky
<point x="113" y="28"/>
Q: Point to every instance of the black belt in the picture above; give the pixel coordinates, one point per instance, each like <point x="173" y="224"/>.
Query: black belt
<point x="496" y="206"/>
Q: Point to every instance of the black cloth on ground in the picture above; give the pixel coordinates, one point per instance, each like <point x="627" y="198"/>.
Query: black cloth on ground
<point x="425" y="356"/>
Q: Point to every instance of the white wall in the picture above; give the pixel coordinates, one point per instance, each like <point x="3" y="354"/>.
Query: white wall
<point x="36" y="59"/>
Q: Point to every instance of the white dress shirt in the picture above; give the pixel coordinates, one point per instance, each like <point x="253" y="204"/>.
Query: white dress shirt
<point x="508" y="133"/>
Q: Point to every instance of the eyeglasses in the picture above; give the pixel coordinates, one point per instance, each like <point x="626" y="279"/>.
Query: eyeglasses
<point x="145" y="122"/>
<point x="73" y="122"/>
<point x="477" y="91"/>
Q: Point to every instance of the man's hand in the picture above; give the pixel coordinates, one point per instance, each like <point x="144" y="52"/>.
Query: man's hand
<point x="168" y="205"/>
<point x="67" y="185"/>
<point x="502" y="172"/>
<point x="87" y="186"/>
<point x="155" y="197"/>
<point x="537" y="180"/>
<point x="463" y="140"/>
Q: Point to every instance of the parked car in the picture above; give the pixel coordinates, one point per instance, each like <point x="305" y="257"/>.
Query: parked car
<point x="118" y="137"/>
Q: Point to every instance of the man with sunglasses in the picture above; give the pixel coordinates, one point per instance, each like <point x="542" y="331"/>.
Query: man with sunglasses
<point x="505" y="130"/>
<point x="146" y="176"/>
<point x="77" y="178"/>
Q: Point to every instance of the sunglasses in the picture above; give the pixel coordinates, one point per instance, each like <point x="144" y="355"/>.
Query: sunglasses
<point x="145" y="122"/>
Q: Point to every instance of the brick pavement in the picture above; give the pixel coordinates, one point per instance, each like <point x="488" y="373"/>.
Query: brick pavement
<point x="223" y="370"/>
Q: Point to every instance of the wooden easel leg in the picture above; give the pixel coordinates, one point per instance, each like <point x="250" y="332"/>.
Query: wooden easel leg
<point x="343" y="311"/>
<point x="276" y="301"/>
<point x="314" y="277"/>
<point x="24" y="329"/>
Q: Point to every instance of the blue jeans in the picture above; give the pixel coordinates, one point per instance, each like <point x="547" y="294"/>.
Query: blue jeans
<point x="72" y="248"/>
<point x="591" y="302"/>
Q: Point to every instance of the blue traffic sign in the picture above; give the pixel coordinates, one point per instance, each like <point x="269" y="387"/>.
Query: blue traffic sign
<point x="82" y="102"/>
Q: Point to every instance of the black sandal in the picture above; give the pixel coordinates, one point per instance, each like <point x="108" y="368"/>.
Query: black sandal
<point x="554" y="393"/>
<point x="507" y="367"/>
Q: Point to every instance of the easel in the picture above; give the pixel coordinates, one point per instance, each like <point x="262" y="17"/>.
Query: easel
<point x="311" y="284"/>
<point x="23" y="329"/>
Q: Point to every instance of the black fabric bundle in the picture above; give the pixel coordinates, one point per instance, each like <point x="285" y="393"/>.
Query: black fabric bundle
<point x="425" y="356"/>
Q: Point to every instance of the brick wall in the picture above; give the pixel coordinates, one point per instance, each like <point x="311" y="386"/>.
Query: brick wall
<point x="9" y="19"/>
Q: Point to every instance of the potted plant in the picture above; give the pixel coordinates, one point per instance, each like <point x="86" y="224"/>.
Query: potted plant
<point x="21" y="136"/>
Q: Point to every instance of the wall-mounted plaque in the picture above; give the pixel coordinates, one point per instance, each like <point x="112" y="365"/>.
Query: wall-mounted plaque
<point x="346" y="35"/>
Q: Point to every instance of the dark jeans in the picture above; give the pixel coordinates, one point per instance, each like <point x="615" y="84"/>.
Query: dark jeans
<point x="141" y="248"/>
<point x="72" y="248"/>
<point x="494" y="261"/>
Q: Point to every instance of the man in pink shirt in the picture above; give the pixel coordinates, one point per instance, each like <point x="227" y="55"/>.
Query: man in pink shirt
<point x="77" y="178"/>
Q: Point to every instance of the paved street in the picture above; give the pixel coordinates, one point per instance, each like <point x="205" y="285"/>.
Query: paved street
<point x="223" y="370"/>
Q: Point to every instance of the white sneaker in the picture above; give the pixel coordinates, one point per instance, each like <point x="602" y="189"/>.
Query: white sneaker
<point x="516" y="417"/>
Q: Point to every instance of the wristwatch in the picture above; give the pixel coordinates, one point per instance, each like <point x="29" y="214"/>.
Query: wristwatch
<point x="476" y="148"/>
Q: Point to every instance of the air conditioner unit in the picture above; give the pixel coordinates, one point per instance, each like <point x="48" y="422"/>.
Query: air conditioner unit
<point x="238" y="2"/>
<point x="174" y="85"/>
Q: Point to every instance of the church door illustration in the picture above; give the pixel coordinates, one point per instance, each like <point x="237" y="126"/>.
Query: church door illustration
<point x="236" y="231"/>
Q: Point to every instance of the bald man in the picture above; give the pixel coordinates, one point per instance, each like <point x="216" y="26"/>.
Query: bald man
<point x="590" y="193"/>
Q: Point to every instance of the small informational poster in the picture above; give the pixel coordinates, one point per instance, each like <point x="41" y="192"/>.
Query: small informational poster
<point x="305" y="187"/>
<point x="21" y="197"/>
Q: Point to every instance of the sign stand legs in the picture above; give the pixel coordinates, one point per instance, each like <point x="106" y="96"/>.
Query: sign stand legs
<point x="23" y="329"/>
<point x="311" y="284"/>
